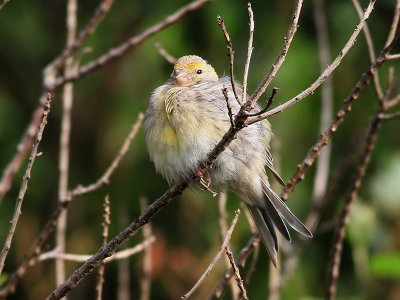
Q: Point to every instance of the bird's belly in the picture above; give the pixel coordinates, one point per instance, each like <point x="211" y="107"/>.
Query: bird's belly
<point x="177" y="146"/>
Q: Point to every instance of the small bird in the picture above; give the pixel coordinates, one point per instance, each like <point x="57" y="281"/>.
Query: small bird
<point x="187" y="117"/>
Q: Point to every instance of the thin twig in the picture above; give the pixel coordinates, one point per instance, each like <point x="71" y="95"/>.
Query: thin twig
<point x="322" y="77"/>
<point x="145" y="280"/>
<point x="79" y="258"/>
<point x="267" y="104"/>
<point x="248" y="57"/>
<point x="105" y="225"/>
<point x="287" y="40"/>
<point x="344" y="215"/>
<point x="131" y="43"/>
<point x="237" y="273"/>
<point x="24" y="184"/>
<point x="22" y="149"/>
<point x="50" y="72"/>
<point x="37" y="245"/>
<point x="393" y="56"/>
<point x="230" y="114"/>
<point x="371" y="50"/>
<point x="223" y="229"/>
<point x="3" y="4"/>
<point x="322" y="168"/>
<point x="231" y="55"/>
<point x="105" y="178"/>
<point x="164" y="53"/>
<point x="387" y="117"/>
<point x="63" y="160"/>
<point x="314" y="151"/>
<point x="58" y="62"/>
<point x="394" y="27"/>
<point x="216" y="258"/>
<point x="240" y="261"/>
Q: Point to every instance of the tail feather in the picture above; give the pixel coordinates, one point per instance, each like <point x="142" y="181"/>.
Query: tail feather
<point x="267" y="232"/>
<point x="285" y="212"/>
<point x="271" y="212"/>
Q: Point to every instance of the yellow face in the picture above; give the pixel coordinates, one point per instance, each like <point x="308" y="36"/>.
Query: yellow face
<point x="192" y="69"/>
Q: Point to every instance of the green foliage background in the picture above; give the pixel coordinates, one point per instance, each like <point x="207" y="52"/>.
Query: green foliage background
<point x="108" y="101"/>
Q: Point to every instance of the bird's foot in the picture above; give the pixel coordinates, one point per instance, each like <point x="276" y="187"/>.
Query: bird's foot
<point x="205" y="180"/>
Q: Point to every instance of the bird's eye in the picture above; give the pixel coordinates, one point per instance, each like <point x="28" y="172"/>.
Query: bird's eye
<point x="199" y="72"/>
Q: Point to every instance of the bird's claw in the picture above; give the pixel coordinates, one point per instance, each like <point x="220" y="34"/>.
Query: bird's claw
<point x="205" y="180"/>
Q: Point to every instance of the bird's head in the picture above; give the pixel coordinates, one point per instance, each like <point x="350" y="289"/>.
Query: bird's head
<point x="192" y="69"/>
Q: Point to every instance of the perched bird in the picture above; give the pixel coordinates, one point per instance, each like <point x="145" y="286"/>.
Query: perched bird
<point x="187" y="117"/>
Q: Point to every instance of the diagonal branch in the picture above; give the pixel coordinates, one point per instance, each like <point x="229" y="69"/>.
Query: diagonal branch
<point x="323" y="76"/>
<point x="24" y="184"/>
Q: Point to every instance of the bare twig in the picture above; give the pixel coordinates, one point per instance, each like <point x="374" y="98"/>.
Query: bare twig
<point x="216" y="258"/>
<point x="230" y="114"/>
<point x="50" y="72"/>
<point x="240" y="261"/>
<point x="394" y="27"/>
<point x="393" y="56"/>
<point x="322" y="77"/>
<point x="327" y="134"/>
<point x="37" y="245"/>
<point x="131" y="43"/>
<point x="344" y="215"/>
<point x="22" y="149"/>
<point x="387" y="117"/>
<point x="105" y="225"/>
<point x="3" y="4"/>
<point x="164" y="53"/>
<point x="123" y="254"/>
<point x="223" y="228"/>
<point x="75" y="44"/>
<point x="145" y="280"/>
<point x="24" y="185"/>
<point x="237" y="274"/>
<point x="287" y="40"/>
<point x="322" y="168"/>
<point x="248" y="57"/>
<point x="63" y="162"/>
<point x="231" y="55"/>
<point x="371" y="50"/>
<point x="105" y="179"/>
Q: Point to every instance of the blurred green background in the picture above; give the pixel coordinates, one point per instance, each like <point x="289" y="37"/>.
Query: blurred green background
<point x="108" y="101"/>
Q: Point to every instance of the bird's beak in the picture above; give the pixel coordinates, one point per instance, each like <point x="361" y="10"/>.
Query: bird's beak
<point x="180" y="76"/>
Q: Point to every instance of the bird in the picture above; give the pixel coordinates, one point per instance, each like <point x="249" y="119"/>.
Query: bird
<point x="186" y="118"/>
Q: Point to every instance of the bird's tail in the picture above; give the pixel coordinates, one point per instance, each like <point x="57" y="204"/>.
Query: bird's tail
<point x="270" y="217"/>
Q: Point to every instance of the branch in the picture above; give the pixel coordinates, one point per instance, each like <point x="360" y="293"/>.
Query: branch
<point x="322" y="168"/>
<point x="322" y="77"/>
<point x="231" y="55"/>
<point x="75" y="44"/>
<point x="314" y="151"/>
<point x="145" y="280"/>
<point x="24" y="184"/>
<point x="240" y="261"/>
<point x="37" y="245"/>
<point x="237" y="274"/>
<point x="249" y="53"/>
<point x="105" y="225"/>
<point x="216" y="258"/>
<point x="63" y="159"/>
<point x="79" y="258"/>
<point x="3" y="4"/>
<point x="350" y="197"/>
<point x="287" y="41"/>
<point x="133" y="42"/>
<point x="164" y="53"/>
